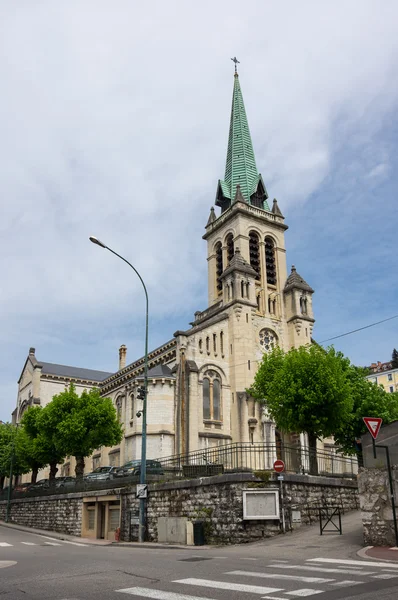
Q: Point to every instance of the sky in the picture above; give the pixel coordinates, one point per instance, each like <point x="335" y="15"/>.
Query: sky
<point x="114" y="122"/>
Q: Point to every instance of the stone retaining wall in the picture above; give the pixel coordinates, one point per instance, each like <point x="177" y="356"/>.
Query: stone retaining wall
<point x="53" y="513"/>
<point x="219" y="502"/>
<point x="375" y="501"/>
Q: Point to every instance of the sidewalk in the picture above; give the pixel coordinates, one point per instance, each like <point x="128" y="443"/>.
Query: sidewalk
<point x="56" y="535"/>
<point x="379" y="553"/>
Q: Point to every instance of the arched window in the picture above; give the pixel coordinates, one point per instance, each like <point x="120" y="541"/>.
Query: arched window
<point x="270" y="262"/>
<point x="216" y="400"/>
<point x="303" y="305"/>
<point x="211" y="396"/>
<point x="119" y="408"/>
<point x="230" y="246"/>
<point x="132" y="407"/>
<point x="268" y="340"/>
<point x="219" y="266"/>
<point x="206" y="398"/>
<point x="254" y="248"/>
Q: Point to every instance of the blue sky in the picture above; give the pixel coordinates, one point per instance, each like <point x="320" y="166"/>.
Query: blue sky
<point x="114" y="123"/>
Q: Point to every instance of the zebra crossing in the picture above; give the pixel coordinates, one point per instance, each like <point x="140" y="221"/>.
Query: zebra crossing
<point x="51" y="543"/>
<point x="273" y="581"/>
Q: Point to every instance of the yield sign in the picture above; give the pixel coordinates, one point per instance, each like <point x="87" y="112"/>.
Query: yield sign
<point x="373" y="424"/>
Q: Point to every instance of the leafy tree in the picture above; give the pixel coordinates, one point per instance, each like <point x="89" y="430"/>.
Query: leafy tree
<point x="369" y="400"/>
<point x="12" y="448"/>
<point x="80" y="424"/>
<point x="394" y="359"/>
<point x="41" y="450"/>
<point x="305" y="390"/>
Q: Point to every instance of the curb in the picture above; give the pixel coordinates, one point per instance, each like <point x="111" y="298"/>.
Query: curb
<point x="362" y="553"/>
<point x="56" y="535"/>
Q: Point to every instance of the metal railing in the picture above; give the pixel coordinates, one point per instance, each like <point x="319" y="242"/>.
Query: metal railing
<point x="241" y="457"/>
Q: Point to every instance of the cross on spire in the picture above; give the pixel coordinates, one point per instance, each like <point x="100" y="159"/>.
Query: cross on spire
<point x="237" y="62"/>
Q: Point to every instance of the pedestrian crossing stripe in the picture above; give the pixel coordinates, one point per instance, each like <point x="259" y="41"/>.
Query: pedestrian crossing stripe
<point x="224" y="585"/>
<point x="159" y="594"/>
<point x="282" y="576"/>
<point x="364" y="563"/>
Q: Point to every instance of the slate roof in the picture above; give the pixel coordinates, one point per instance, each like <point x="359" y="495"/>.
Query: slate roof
<point x="295" y="281"/>
<point x="75" y="372"/>
<point x="159" y="371"/>
<point x="238" y="263"/>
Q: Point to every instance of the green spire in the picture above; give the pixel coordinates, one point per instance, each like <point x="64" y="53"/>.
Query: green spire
<point x="240" y="168"/>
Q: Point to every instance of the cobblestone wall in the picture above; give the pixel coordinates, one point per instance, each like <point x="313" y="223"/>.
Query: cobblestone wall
<point x="219" y="502"/>
<point x="375" y="501"/>
<point x="51" y="513"/>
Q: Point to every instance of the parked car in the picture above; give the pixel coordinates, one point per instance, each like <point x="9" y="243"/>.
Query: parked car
<point x="103" y="474"/>
<point x="22" y="487"/>
<point x="153" y="467"/>
<point x="40" y="485"/>
<point x="65" y="483"/>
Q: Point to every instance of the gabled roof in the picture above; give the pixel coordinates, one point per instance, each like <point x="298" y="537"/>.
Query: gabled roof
<point x="295" y="281"/>
<point x="73" y="372"/>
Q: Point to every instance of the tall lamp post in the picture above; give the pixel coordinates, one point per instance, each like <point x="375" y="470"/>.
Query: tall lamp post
<point x="142" y="516"/>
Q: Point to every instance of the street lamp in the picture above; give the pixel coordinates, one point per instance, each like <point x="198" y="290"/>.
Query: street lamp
<point x="142" y="520"/>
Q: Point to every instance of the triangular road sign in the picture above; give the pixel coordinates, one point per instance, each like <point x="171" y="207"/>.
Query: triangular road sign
<point x="373" y="424"/>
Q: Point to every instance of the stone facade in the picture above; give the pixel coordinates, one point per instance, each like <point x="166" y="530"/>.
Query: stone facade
<point x="53" y="513"/>
<point x="219" y="502"/>
<point x="375" y="502"/>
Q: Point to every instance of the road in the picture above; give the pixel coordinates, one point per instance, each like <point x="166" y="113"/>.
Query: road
<point x="38" y="567"/>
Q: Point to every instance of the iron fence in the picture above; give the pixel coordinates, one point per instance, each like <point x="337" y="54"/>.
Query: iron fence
<point x="231" y="458"/>
<point x="243" y="457"/>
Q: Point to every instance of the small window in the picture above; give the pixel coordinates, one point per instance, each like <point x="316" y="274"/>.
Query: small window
<point x="214" y="343"/>
<point x="390" y="377"/>
<point x="391" y="389"/>
<point x="200" y="345"/>
<point x="132" y="406"/>
<point x="222" y="342"/>
<point x="208" y="345"/>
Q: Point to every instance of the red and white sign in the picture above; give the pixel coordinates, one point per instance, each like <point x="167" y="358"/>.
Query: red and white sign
<point x="279" y="466"/>
<point x="373" y="424"/>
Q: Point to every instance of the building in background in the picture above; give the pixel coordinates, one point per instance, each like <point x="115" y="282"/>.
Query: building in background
<point x="384" y="374"/>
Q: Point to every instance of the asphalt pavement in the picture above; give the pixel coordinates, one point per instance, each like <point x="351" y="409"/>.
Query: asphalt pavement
<point x="302" y="564"/>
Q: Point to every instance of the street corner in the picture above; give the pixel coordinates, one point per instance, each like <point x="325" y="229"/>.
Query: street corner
<point x="384" y="553"/>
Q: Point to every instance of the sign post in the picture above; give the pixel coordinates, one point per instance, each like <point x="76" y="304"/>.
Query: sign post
<point x="373" y="424"/>
<point x="279" y="467"/>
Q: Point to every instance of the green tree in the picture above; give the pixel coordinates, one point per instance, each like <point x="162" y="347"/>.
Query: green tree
<point x="80" y="424"/>
<point x="40" y="446"/>
<point x="12" y="448"/>
<point x="305" y="390"/>
<point x="369" y="400"/>
<point x="394" y="359"/>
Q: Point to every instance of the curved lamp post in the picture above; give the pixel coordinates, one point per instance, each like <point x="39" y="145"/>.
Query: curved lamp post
<point x="142" y="519"/>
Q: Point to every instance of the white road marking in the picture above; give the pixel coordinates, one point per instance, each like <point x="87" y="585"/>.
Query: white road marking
<point x="223" y="585"/>
<point x="159" y="594"/>
<point x="29" y="543"/>
<point x="322" y="569"/>
<point x="385" y="576"/>
<point x="249" y="559"/>
<point x="7" y="563"/>
<point x="347" y="582"/>
<point x="221" y="557"/>
<point x="272" y="598"/>
<point x="280" y="576"/>
<point x="51" y="544"/>
<point x="304" y="592"/>
<point x="4" y="544"/>
<point x="365" y="563"/>
<point x="46" y="537"/>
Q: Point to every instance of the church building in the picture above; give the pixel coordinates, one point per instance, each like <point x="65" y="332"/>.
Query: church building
<point x="197" y="380"/>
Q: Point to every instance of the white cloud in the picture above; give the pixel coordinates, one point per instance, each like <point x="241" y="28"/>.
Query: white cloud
<point x="114" y="122"/>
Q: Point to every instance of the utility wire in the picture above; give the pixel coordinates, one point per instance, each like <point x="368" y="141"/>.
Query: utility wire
<point x="360" y="329"/>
